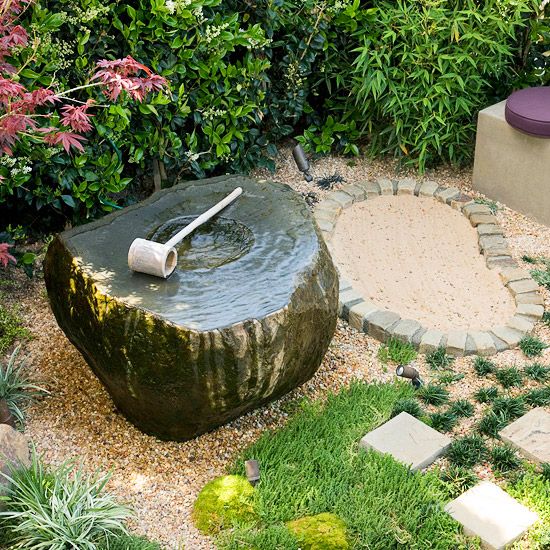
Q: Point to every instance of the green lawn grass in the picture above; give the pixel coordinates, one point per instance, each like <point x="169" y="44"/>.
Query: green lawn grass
<point x="313" y="465"/>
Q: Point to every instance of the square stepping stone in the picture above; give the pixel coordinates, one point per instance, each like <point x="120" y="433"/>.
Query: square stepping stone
<point x="408" y="440"/>
<point x="488" y="512"/>
<point x="531" y="435"/>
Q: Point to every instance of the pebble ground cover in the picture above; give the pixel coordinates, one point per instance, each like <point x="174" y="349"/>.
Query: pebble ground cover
<point x="162" y="479"/>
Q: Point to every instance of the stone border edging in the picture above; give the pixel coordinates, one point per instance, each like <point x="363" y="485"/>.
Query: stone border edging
<point x="382" y="324"/>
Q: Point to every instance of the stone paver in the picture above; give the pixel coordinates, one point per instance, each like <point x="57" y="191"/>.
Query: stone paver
<point x="532" y="311"/>
<point x="430" y="341"/>
<point x="386" y="186"/>
<point x="326" y="214"/>
<point x="489" y="229"/>
<point x="358" y="193"/>
<point x="478" y="219"/>
<point x="408" y="440"/>
<point x="508" y="335"/>
<point x="405" y="330"/>
<point x="380" y="322"/>
<point x="531" y="435"/>
<point x="342" y="198"/>
<point x="520" y="287"/>
<point x="372" y="189"/>
<point x="491" y="241"/>
<point x="512" y="274"/>
<point x="344" y="285"/>
<point x="483" y="342"/>
<point x="358" y="313"/>
<point x="406" y="186"/>
<point x="329" y="204"/>
<point x="427" y="189"/>
<point x="347" y="299"/>
<point x="456" y="342"/>
<point x="458" y="203"/>
<point x="488" y="512"/>
<point x="446" y="195"/>
<point x="325" y="226"/>
<point x="476" y="208"/>
<point x="522" y="324"/>
<point x="500" y="262"/>
<point x="529" y="298"/>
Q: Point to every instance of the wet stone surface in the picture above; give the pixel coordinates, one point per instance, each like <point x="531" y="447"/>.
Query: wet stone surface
<point x="247" y="315"/>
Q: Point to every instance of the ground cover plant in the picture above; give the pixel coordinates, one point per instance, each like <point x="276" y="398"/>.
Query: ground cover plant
<point x="486" y="395"/>
<point x="11" y="328"/>
<point x="537" y="372"/>
<point x="483" y="366"/>
<point x="60" y="508"/>
<point x="313" y="466"/>
<point x="432" y="394"/>
<point x="15" y="387"/>
<point x="396" y="351"/>
<point x="532" y="346"/>
<point x="509" y="377"/>
<point x="438" y="359"/>
<point x="467" y="451"/>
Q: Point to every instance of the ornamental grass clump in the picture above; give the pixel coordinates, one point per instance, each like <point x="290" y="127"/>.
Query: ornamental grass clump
<point x="408" y="405"/>
<point x="539" y="397"/>
<point x="15" y="387"/>
<point x="396" y="351"/>
<point x="537" y="372"/>
<point x="443" y="421"/>
<point x="432" y="394"/>
<point x="457" y="480"/>
<point x="504" y="458"/>
<point x="483" y="366"/>
<point x="467" y="451"/>
<point x="462" y="408"/>
<point x="509" y="377"/>
<point x="511" y="407"/>
<point x="438" y="359"/>
<point x="60" y="508"/>
<point x="486" y="395"/>
<point x="532" y="346"/>
<point x="491" y="423"/>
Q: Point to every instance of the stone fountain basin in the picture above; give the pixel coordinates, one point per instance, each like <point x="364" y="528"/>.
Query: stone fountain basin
<point x="247" y="315"/>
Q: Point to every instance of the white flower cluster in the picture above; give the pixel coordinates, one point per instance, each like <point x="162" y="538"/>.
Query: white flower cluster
<point x="293" y="75"/>
<point x="16" y="165"/>
<point x="338" y="6"/>
<point x="174" y="6"/>
<point x="213" y="31"/>
<point x="211" y="113"/>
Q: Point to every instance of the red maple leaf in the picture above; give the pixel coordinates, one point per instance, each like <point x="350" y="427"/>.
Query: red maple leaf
<point x="5" y="256"/>
<point x="66" y="139"/>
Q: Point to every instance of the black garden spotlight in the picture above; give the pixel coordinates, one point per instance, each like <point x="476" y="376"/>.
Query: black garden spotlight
<point x="410" y="373"/>
<point x="252" y="468"/>
<point x="301" y="162"/>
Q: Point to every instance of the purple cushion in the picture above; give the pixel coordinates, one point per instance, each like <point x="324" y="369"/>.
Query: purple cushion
<point x="528" y="110"/>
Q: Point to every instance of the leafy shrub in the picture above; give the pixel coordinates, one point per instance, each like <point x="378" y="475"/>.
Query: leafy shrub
<point x="532" y="346"/>
<point x="486" y="395"/>
<point x="397" y="351"/>
<point x="433" y="395"/>
<point x="509" y="377"/>
<point x="408" y="405"/>
<point x="457" y="480"/>
<point x="483" y="366"/>
<point x="504" y="458"/>
<point x="423" y="68"/>
<point x="223" y="503"/>
<point x="467" y="451"/>
<point x="537" y="372"/>
<point x="60" y="508"/>
<point x="545" y="469"/>
<point x="11" y="328"/>
<point x="15" y="388"/>
<point x="462" y="408"/>
<point x="438" y="359"/>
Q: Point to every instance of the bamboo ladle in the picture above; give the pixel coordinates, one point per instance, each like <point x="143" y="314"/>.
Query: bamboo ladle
<point x="160" y="259"/>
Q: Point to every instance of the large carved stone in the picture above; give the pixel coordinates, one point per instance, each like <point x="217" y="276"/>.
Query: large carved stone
<point x="247" y="315"/>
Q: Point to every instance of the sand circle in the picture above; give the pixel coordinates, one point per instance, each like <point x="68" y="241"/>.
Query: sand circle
<point x="419" y="258"/>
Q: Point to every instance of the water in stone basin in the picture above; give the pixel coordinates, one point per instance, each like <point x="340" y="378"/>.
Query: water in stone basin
<point x="218" y="242"/>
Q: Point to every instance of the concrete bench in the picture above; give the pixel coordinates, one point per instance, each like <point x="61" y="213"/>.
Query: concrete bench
<point x="512" y="167"/>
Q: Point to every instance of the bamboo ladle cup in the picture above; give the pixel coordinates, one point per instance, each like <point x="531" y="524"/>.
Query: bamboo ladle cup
<point x="160" y="259"/>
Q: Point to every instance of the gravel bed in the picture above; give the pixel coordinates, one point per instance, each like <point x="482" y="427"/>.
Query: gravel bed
<point x="160" y="480"/>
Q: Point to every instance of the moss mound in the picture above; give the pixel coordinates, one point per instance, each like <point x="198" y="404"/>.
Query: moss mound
<point x="223" y="503"/>
<point x="321" y="532"/>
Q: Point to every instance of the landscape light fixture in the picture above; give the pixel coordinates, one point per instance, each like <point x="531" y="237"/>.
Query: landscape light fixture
<point x="301" y="162"/>
<point x="410" y="373"/>
<point x="252" y="468"/>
